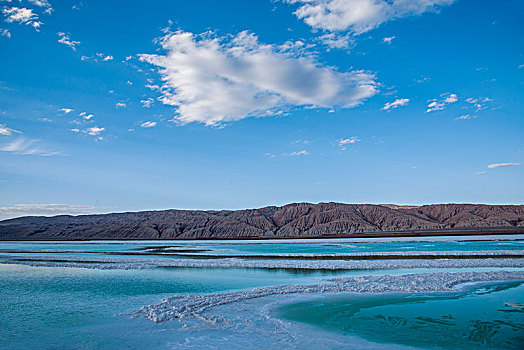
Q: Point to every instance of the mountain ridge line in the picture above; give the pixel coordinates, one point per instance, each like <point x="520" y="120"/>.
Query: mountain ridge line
<point x="294" y="220"/>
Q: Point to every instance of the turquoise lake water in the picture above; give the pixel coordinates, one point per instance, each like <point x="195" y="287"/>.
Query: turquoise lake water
<point x="65" y="308"/>
<point x="44" y="307"/>
<point x="487" y="317"/>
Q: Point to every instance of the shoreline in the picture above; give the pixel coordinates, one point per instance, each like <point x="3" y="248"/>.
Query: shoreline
<point x="190" y="306"/>
<point x="397" y="234"/>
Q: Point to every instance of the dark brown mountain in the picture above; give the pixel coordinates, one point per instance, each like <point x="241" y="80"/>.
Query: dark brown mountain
<point x="292" y="220"/>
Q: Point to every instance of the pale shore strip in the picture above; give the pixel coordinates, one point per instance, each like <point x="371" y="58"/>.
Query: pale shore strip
<point x="147" y="263"/>
<point x="194" y="305"/>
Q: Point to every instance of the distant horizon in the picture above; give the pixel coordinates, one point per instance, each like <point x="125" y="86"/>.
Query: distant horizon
<point x="6" y="217"/>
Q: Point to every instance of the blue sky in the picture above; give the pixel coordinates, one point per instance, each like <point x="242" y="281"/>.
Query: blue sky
<point x="134" y="105"/>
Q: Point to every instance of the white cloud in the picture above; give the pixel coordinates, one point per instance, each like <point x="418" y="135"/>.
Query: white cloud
<point x="40" y="3"/>
<point x="388" y="40"/>
<point x="19" y="14"/>
<point x="502" y="165"/>
<point x="298" y="153"/>
<point x="479" y="103"/>
<point x="153" y="87"/>
<point x="66" y="110"/>
<point x="359" y="16"/>
<point x="147" y="103"/>
<point x="337" y="41"/>
<point x="440" y="104"/>
<point x="434" y="106"/>
<point x="212" y="79"/>
<point x="343" y="143"/>
<point x="452" y="98"/>
<point x="17" y="210"/>
<point x="86" y="116"/>
<point x="521" y="65"/>
<point x="148" y="124"/>
<point x="423" y="80"/>
<point x="107" y="58"/>
<point x="23" y="146"/>
<point x="93" y="131"/>
<point x="395" y="104"/>
<point x="5" y="32"/>
<point x="75" y="130"/>
<point x="4" y="130"/>
<point x="466" y="117"/>
<point x="120" y="105"/>
<point x="64" y="39"/>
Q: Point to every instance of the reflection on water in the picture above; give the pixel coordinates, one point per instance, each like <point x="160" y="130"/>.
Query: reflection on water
<point x="479" y="317"/>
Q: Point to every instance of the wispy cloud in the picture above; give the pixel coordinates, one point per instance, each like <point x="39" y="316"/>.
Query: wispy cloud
<point x="337" y="41"/>
<point x="147" y="103"/>
<point x="86" y="116"/>
<point x="388" y="40"/>
<point x="298" y="153"/>
<point x="28" y="147"/>
<point x="40" y="3"/>
<point x="422" y="80"/>
<point x="502" y="165"/>
<point x="359" y="16"/>
<point x="5" y="32"/>
<point x="148" y="124"/>
<point x="98" y="57"/>
<point x="479" y="103"/>
<point x="440" y="104"/>
<point x="63" y="38"/>
<point x="4" y="130"/>
<point x="466" y="117"/>
<point x="218" y="79"/>
<point x="21" y="15"/>
<point x="16" y="210"/>
<point x="120" y="105"/>
<point x="344" y="143"/>
<point x="94" y="131"/>
<point x="66" y="110"/>
<point x="395" y="104"/>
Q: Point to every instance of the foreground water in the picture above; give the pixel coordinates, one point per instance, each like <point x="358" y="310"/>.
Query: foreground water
<point x="48" y="307"/>
<point x="489" y="316"/>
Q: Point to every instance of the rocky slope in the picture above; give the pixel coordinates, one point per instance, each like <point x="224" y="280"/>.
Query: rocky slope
<point x="292" y="220"/>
